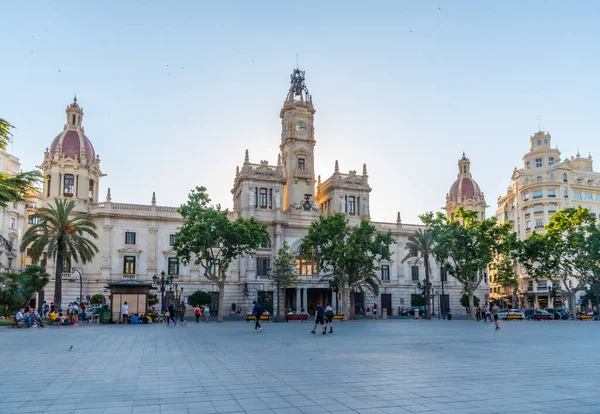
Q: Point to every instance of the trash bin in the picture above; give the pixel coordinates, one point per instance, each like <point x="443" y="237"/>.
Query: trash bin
<point x="416" y="314"/>
<point x="384" y="313"/>
<point x="449" y="316"/>
<point x="105" y="316"/>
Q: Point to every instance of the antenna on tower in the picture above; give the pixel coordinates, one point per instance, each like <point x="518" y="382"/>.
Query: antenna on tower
<point x="539" y="124"/>
<point x="297" y="65"/>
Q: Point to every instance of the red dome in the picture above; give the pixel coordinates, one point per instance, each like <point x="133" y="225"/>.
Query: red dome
<point x="72" y="141"/>
<point x="466" y="186"/>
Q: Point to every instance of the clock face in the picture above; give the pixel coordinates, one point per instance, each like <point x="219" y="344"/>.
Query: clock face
<point x="301" y="128"/>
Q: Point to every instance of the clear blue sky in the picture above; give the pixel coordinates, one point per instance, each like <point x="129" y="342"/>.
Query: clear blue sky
<point x="402" y="86"/>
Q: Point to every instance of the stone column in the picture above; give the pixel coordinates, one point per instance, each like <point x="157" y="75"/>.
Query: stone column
<point x="297" y="299"/>
<point x="151" y="268"/>
<point x="333" y="297"/>
<point x="305" y="299"/>
<point x="107" y="236"/>
<point x="278" y="238"/>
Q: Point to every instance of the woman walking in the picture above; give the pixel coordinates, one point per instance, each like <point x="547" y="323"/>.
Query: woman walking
<point x="197" y="313"/>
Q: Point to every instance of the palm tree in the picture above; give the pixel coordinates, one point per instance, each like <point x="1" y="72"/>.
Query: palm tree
<point x="420" y="246"/>
<point x="62" y="236"/>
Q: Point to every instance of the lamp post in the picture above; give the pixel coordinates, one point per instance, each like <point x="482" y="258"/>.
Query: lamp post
<point x="278" y="317"/>
<point x="80" y="283"/>
<point x="433" y="295"/>
<point x="162" y="282"/>
<point x="424" y="288"/>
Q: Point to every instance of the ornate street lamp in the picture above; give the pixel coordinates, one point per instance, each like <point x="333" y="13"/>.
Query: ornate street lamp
<point x="162" y="282"/>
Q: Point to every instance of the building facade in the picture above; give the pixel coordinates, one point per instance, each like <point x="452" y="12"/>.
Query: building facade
<point x="135" y="240"/>
<point x="544" y="185"/>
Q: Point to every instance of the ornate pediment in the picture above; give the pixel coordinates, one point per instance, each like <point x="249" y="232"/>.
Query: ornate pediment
<point x="129" y="251"/>
<point x="262" y="171"/>
<point x="169" y="252"/>
<point x="352" y="180"/>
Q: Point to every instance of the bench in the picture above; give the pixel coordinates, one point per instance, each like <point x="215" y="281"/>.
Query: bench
<point x="297" y="317"/>
<point x="13" y="319"/>
<point x="338" y="316"/>
<point x="262" y="318"/>
<point x="584" y="316"/>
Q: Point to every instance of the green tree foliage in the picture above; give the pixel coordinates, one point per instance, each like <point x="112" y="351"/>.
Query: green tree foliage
<point x="97" y="299"/>
<point x="466" y="246"/>
<point x="417" y="299"/>
<point x="199" y="298"/>
<point x="348" y="255"/>
<point x="420" y="248"/>
<point x="568" y="250"/>
<point x="16" y="289"/>
<point x="5" y="134"/>
<point x="464" y="300"/>
<point x="65" y="237"/>
<point x="283" y="273"/>
<point x="208" y="238"/>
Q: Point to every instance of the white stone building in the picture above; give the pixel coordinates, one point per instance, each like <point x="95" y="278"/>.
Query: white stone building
<point x="135" y="239"/>
<point x="544" y="185"/>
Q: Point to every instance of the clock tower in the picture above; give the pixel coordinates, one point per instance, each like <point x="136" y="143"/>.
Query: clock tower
<point x="297" y="142"/>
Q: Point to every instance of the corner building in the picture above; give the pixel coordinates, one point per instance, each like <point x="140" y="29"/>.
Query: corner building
<point x="135" y="239"/>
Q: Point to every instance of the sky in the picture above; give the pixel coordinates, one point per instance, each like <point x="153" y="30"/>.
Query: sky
<point x="175" y="92"/>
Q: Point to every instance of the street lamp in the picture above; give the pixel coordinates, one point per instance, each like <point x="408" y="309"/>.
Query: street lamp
<point x="80" y="283"/>
<point x="162" y="282"/>
<point x="278" y="317"/>
<point x="424" y="288"/>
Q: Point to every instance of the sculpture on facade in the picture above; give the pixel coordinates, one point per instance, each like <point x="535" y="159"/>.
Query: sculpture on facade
<point x="252" y="202"/>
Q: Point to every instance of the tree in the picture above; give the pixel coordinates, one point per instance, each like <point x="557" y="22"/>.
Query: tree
<point x="199" y="298"/>
<point x="283" y="273"/>
<point x="504" y="262"/>
<point x="208" y="238"/>
<point x="465" y="247"/>
<point x="464" y="300"/>
<point x="64" y="237"/>
<point x="568" y="250"/>
<point x="17" y="289"/>
<point x="97" y="299"/>
<point x="348" y="256"/>
<point x="420" y="247"/>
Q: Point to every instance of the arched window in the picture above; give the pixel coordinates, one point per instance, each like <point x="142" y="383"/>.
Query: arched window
<point x="539" y="178"/>
<point x="304" y="266"/>
<point x="49" y="185"/>
<point x="564" y="177"/>
<point x="74" y="119"/>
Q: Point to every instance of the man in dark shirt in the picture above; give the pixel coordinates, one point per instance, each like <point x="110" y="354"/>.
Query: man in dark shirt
<point x="257" y="311"/>
<point x="320" y="318"/>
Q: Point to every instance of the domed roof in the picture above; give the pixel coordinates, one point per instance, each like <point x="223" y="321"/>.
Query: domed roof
<point x="71" y="142"/>
<point x="466" y="187"/>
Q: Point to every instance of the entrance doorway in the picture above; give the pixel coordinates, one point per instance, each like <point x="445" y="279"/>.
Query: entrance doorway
<point x="359" y="303"/>
<point x="265" y="299"/>
<point x="444" y="304"/>
<point x="386" y="303"/>
<point x="214" y="302"/>
<point x="315" y="295"/>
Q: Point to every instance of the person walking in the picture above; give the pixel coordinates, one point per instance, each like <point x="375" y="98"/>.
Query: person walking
<point x="171" y="311"/>
<point x="257" y="311"/>
<point x="124" y="313"/>
<point x="329" y="317"/>
<point x="197" y="313"/>
<point x="495" y="310"/>
<point x="374" y="311"/>
<point x="488" y="314"/>
<point x="182" y="313"/>
<point x="319" y="318"/>
<point x="206" y="312"/>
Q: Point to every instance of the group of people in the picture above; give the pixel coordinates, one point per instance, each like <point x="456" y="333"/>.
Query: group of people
<point x="370" y="311"/>
<point x="137" y="319"/>
<point x="204" y="312"/>
<point x="75" y="313"/>
<point x="486" y="312"/>
<point x="171" y="313"/>
<point x="29" y="316"/>
<point x="323" y="317"/>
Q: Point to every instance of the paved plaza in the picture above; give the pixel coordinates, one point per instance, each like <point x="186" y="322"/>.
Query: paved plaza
<point x="393" y="366"/>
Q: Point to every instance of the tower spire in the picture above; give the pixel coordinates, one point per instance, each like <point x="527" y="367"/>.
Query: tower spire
<point x="337" y="167"/>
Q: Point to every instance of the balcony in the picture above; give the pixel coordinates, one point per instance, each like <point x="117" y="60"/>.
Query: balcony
<point x="128" y="277"/>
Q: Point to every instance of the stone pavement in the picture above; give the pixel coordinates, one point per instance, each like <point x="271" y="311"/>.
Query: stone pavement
<point x="393" y="366"/>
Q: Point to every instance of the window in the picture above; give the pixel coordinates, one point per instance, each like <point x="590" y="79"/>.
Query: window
<point x="28" y="252"/>
<point x="539" y="142"/>
<point x="565" y="178"/>
<point x="577" y="195"/>
<point x="266" y="245"/>
<point x="530" y="286"/>
<point x="129" y="265"/>
<point x="443" y="274"/>
<point x="173" y="266"/>
<point x="528" y="225"/>
<point x="270" y="198"/>
<point x="171" y="239"/>
<point x="301" y="164"/>
<point x="537" y="194"/>
<point x="10" y="263"/>
<point x="552" y="193"/>
<point x="587" y="196"/>
<point x="539" y="223"/>
<point x="550" y="160"/>
<point x="546" y="141"/>
<point x="414" y="270"/>
<point x="303" y="265"/>
<point x="539" y="178"/>
<point x="464" y="169"/>
<point x="262" y="198"/>
<point x="526" y="197"/>
<point x="129" y="237"/>
<point x="262" y="266"/>
<point x="74" y="119"/>
<point x="49" y="186"/>
<point x="13" y="223"/>
<point x="358" y="206"/>
<point x="597" y="197"/>
<point x="91" y="191"/>
<point x="385" y="272"/>
<point x="351" y="205"/>
<point x="69" y="188"/>
<point x="527" y="165"/>
<point x="542" y="285"/>
<point x="538" y="162"/>
<point x="215" y="267"/>
<point x="566" y="193"/>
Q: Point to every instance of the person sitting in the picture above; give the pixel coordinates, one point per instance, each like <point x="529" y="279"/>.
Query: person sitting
<point x="143" y="319"/>
<point x="35" y="316"/>
<point x="20" y="317"/>
<point x="303" y="312"/>
<point x="134" y="319"/>
<point x="53" y="315"/>
<point x="149" y="318"/>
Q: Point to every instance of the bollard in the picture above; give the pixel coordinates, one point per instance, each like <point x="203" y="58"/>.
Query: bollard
<point x="416" y="314"/>
<point x="384" y="313"/>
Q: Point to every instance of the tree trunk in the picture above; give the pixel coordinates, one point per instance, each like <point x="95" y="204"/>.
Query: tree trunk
<point x="346" y="303"/>
<point x="58" y="281"/>
<point x="472" y="306"/>
<point x="427" y="291"/>
<point x="572" y="304"/>
<point x="597" y="304"/>
<point x="221" y="286"/>
<point x="352" y="305"/>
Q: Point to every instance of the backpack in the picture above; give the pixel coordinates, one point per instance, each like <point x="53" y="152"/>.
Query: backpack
<point x="259" y="309"/>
